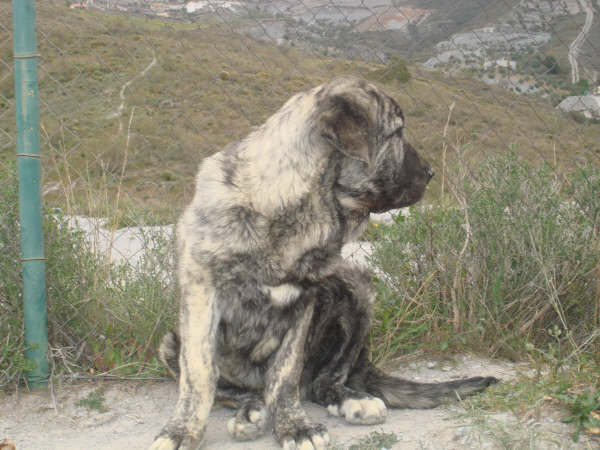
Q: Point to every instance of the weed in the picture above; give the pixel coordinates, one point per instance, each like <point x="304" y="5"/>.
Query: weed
<point x="377" y="440"/>
<point x="584" y="409"/>
<point x="94" y="401"/>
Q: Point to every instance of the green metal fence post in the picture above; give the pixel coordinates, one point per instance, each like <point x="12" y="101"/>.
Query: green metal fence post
<point x="30" y="209"/>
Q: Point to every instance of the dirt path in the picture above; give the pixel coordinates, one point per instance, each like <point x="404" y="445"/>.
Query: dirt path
<point x="119" y="111"/>
<point x="135" y="412"/>
<point x="580" y="39"/>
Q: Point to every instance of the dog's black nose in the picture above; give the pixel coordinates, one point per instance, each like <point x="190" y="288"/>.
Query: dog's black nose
<point x="430" y="173"/>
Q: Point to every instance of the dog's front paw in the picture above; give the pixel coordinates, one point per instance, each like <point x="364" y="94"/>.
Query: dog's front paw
<point x="178" y="443"/>
<point x="304" y="436"/>
<point x="177" y="436"/>
<point x="164" y="443"/>
<point x="363" y="411"/>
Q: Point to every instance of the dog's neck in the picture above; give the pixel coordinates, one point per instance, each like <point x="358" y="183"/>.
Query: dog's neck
<point x="283" y="177"/>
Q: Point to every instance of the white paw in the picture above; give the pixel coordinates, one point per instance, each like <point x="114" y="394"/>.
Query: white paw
<point x="316" y="442"/>
<point x="242" y="430"/>
<point x="257" y="416"/>
<point x="364" y="411"/>
<point x="334" y="410"/>
<point x="163" y="444"/>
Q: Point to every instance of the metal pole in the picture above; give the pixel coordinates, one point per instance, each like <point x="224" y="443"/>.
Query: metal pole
<point x="30" y="206"/>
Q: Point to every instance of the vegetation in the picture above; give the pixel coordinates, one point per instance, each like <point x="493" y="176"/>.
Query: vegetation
<point x="581" y="88"/>
<point x="513" y="258"/>
<point x="103" y="318"/>
<point x="551" y="65"/>
<point x="396" y="70"/>
<point x="377" y="440"/>
<point x="552" y="386"/>
<point x="94" y="401"/>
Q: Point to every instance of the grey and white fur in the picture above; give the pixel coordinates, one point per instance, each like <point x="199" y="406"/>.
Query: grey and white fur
<point x="270" y="313"/>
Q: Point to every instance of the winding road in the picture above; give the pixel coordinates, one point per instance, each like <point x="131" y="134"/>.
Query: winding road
<point x="575" y="46"/>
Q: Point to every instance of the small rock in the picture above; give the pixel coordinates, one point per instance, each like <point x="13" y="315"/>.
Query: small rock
<point x="100" y="419"/>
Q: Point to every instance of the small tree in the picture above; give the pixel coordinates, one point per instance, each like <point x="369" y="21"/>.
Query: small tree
<point x="581" y="87"/>
<point x="398" y="69"/>
<point x="551" y="64"/>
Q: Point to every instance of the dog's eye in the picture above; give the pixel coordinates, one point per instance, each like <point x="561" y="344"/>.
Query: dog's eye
<point x="396" y="133"/>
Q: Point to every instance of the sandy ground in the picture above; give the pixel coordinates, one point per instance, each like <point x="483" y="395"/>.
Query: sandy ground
<point x="135" y="412"/>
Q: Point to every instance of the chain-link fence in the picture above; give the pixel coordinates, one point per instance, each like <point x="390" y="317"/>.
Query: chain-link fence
<point x="500" y="96"/>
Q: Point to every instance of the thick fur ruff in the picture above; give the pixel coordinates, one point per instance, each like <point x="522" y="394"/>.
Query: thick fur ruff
<point x="269" y="310"/>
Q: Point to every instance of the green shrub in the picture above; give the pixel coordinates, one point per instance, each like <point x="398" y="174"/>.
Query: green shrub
<point x="396" y="70"/>
<point x="581" y="88"/>
<point x="101" y="317"/>
<point x="520" y="257"/>
<point x="12" y="346"/>
<point x="551" y="65"/>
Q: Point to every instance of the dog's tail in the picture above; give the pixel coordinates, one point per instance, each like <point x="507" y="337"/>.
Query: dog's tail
<point x="168" y="353"/>
<point x="399" y="393"/>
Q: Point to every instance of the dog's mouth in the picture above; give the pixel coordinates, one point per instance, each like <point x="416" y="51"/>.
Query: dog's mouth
<point x="405" y="192"/>
<point x="411" y="196"/>
<point x="420" y="174"/>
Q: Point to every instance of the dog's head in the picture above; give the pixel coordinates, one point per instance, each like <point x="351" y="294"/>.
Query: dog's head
<point x="378" y="169"/>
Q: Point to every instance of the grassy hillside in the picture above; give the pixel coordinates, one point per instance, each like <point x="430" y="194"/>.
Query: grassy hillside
<point x="210" y="86"/>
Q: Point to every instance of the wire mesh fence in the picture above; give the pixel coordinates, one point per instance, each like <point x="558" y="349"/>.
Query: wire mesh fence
<point x="133" y="94"/>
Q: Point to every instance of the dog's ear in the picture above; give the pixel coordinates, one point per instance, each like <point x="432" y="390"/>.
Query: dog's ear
<point x="345" y="125"/>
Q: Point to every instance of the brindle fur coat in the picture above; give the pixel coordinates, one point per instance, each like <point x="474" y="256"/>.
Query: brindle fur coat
<point x="270" y="313"/>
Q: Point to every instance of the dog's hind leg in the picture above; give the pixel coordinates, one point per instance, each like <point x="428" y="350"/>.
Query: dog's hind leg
<point x="250" y="420"/>
<point x="338" y="334"/>
<point x="198" y="325"/>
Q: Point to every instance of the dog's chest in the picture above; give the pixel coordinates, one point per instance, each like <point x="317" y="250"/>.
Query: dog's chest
<point x="312" y="229"/>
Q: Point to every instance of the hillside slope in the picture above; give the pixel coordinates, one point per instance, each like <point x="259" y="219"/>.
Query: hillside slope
<point x="210" y="85"/>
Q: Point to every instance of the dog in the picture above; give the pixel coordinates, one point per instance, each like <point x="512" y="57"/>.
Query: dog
<point x="270" y="313"/>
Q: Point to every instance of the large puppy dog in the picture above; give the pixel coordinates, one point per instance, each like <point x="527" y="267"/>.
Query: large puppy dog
<point x="270" y="312"/>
